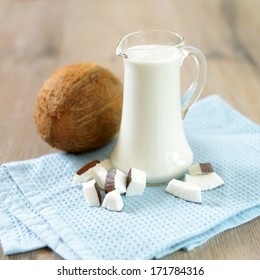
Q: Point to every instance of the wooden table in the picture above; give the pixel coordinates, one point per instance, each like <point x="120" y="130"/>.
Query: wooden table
<point x="37" y="37"/>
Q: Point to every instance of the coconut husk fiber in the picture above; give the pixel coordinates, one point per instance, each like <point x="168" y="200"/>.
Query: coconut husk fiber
<point x="78" y="108"/>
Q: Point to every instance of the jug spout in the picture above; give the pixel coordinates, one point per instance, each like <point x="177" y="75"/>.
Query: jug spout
<point x="123" y="46"/>
<point x="120" y="49"/>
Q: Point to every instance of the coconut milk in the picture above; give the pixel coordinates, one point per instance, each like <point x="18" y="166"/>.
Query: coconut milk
<point x="151" y="135"/>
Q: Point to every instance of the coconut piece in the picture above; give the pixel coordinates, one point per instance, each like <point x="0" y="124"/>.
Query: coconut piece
<point x="110" y="181"/>
<point x="78" y="108"/>
<point x="92" y="193"/>
<point x="113" y="201"/>
<point x="115" y="179"/>
<point x="201" y="168"/>
<point x="206" y="181"/>
<point x="84" y="173"/>
<point x="136" y="182"/>
<point x="99" y="173"/>
<point x="184" y="191"/>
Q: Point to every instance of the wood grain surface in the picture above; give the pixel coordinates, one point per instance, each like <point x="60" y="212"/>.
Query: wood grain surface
<point x="39" y="36"/>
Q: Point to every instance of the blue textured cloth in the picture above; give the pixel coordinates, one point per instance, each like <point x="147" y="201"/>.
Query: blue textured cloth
<point x="39" y="207"/>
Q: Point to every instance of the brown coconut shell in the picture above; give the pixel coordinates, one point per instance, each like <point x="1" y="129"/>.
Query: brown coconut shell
<point x="79" y="107"/>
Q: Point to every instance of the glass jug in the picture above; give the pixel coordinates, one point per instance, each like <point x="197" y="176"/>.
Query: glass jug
<point x="151" y="136"/>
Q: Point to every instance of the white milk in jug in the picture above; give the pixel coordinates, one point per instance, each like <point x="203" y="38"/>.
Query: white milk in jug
<point x="151" y="136"/>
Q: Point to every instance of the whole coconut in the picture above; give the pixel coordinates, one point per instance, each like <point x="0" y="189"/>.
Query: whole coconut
<point x="78" y="108"/>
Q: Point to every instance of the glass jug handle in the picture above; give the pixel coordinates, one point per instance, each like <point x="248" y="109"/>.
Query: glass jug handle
<point x="198" y="83"/>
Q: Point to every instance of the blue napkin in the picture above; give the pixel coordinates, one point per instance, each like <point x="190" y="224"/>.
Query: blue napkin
<point x="39" y="207"/>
